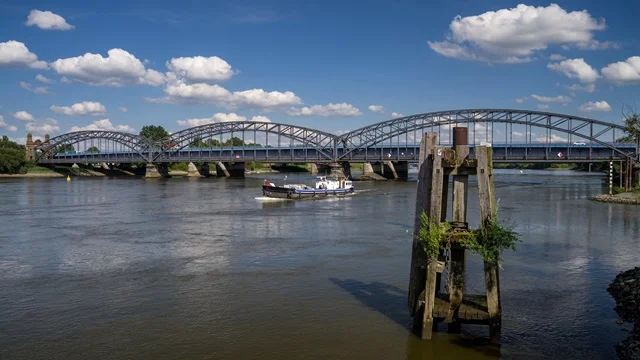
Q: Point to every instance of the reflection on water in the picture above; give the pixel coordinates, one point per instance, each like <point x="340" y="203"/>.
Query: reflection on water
<point x="180" y="268"/>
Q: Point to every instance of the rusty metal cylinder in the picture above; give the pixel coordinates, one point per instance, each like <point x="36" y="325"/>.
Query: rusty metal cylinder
<point x="460" y="136"/>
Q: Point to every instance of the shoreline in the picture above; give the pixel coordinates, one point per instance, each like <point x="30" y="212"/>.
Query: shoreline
<point x="627" y="198"/>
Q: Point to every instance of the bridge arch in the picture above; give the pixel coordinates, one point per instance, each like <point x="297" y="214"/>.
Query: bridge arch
<point x="589" y="129"/>
<point x="324" y="142"/>
<point x="130" y="141"/>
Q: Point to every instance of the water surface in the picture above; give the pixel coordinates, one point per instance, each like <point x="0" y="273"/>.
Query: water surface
<point x="116" y="268"/>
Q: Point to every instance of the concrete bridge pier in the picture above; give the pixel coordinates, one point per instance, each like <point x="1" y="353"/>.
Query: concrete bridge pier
<point x="392" y="170"/>
<point x="154" y="171"/>
<point x="367" y="169"/>
<point x="314" y="169"/>
<point x="198" y="170"/>
<point x="340" y="170"/>
<point x="230" y="169"/>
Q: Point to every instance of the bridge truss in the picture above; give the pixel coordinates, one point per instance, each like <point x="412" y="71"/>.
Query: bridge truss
<point x="267" y="141"/>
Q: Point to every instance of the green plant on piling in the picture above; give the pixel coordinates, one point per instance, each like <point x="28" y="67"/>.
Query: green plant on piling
<point x="491" y="240"/>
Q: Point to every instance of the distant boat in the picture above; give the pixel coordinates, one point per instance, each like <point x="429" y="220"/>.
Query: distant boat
<point x="325" y="187"/>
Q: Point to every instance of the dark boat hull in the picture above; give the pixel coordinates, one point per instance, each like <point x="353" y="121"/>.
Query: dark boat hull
<point x="286" y="193"/>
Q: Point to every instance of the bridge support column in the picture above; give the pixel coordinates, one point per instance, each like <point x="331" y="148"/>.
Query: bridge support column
<point x="340" y="170"/>
<point x="221" y="170"/>
<point x="104" y="166"/>
<point x="401" y="169"/>
<point x="367" y="169"/>
<point x="198" y="171"/>
<point x="398" y="170"/>
<point x="230" y="169"/>
<point x="314" y="169"/>
<point x="154" y="171"/>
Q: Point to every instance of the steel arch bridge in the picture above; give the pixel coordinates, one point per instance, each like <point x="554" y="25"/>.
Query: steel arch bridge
<point x="395" y="139"/>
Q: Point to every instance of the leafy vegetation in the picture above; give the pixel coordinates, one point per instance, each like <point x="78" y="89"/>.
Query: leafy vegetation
<point x="64" y="148"/>
<point x="233" y="141"/>
<point x="631" y="125"/>
<point x="12" y="157"/>
<point x="153" y="133"/>
<point x="489" y="241"/>
<point x="93" y="149"/>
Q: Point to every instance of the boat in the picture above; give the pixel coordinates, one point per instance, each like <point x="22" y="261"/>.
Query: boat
<point x="325" y="187"/>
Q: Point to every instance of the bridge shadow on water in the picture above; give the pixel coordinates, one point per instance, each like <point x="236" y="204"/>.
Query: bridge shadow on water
<point x="383" y="298"/>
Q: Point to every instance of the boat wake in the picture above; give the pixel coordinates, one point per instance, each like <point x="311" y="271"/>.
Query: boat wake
<point x="268" y="199"/>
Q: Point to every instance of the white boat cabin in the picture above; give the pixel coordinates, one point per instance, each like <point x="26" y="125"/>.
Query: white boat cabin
<point x="326" y="183"/>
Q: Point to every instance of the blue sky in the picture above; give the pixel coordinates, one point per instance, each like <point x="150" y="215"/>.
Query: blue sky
<point x="321" y="64"/>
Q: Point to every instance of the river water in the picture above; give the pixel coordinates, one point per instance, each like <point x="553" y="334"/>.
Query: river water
<point x="123" y="268"/>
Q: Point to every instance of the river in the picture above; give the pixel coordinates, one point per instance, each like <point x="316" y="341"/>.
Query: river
<point x="123" y="268"/>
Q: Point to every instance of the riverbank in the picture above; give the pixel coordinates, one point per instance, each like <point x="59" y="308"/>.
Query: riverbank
<point x="632" y="198"/>
<point x="625" y="290"/>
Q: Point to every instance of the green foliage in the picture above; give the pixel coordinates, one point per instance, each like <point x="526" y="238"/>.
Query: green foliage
<point x="432" y="236"/>
<point x="11" y="160"/>
<point x="631" y="125"/>
<point x="7" y="144"/>
<point x="93" y="149"/>
<point x="63" y="148"/>
<point x="491" y="240"/>
<point x="182" y="166"/>
<point x="153" y="133"/>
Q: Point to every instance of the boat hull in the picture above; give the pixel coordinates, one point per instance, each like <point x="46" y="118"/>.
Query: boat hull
<point x="295" y="194"/>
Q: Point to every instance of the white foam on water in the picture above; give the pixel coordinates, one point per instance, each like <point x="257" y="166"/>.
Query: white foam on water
<point x="266" y="198"/>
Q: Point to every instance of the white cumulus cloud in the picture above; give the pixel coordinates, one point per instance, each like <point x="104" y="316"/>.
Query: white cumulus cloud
<point x="515" y="35"/>
<point x="555" y="99"/>
<point x="342" y="109"/>
<point x="4" y="125"/>
<point x="123" y="109"/>
<point x="557" y="57"/>
<point x="119" y="68"/>
<point x="396" y="115"/>
<point x="179" y="92"/>
<point x="218" y="118"/>
<point x="586" y="87"/>
<point x="376" y="108"/>
<point x="201" y="69"/>
<point x="92" y="108"/>
<point x="105" y="125"/>
<point x="623" y="72"/>
<point x="591" y="106"/>
<point x="43" y="79"/>
<point x="576" y="69"/>
<point x="23" y="115"/>
<point x="47" y="20"/>
<point x="46" y="126"/>
<point x="522" y="99"/>
<point x="38" y="90"/>
<point x="543" y="106"/>
<point x="14" y="54"/>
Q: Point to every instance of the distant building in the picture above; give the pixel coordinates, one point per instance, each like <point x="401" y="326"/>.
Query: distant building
<point x="30" y="148"/>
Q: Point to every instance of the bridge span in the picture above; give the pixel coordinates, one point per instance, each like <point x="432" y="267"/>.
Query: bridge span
<point x="515" y="136"/>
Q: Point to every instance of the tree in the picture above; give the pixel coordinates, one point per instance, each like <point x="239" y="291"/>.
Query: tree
<point x="93" y="149"/>
<point x="153" y="133"/>
<point x="7" y="144"/>
<point x="12" y="157"/>
<point x="631" y="124"/>
<point x="65" y="148"/>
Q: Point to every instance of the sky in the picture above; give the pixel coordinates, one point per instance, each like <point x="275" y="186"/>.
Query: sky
<point x="330" y="65"/>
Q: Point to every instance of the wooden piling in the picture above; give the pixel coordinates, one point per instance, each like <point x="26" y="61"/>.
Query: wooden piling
<point x="426" y="304"/>
<point x="487" y="213"/>
<point x="418" y="256"/>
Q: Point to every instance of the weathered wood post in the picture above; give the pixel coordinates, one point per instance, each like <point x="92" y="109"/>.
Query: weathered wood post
<point x="488" y="212"/>
<point x="418" y="256"/>
<point x="457" y="269"/>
